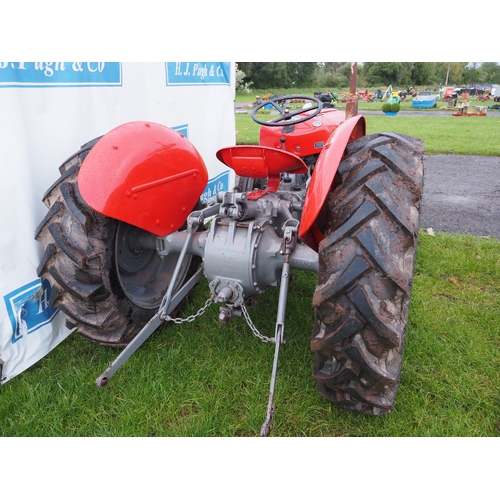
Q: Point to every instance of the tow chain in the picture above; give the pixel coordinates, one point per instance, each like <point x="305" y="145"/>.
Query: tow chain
<point x="191" y="318"/>
<point x="202" y="311"/>
<point x="254" y="328"/>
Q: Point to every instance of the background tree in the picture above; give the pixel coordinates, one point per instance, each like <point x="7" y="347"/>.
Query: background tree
<point x="279" y="74"/>
<point x="335" y="75"/>
<point x="451" y="73"/>
<point x="422" y="73"/>
<point x="305" y="73"/>
<point x="489" y="72"/>
<point x="242" y="84"/>
<point x="246" y="67"/>
<point x="457" y="73"/>
<point x="384" y="73"/>
<point x="332" y="75"/>
<point x="472" y="73"/>
<point x="266" y="74"/>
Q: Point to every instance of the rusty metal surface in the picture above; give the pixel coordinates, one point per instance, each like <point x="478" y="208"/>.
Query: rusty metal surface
<point x="352" y="99"/>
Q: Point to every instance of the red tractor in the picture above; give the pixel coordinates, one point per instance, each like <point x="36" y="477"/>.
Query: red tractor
<point x="126" y="238"/>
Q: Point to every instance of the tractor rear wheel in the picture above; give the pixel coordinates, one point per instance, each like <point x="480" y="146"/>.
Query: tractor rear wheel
<point x="108" y="285"/>
<point x="366" y="264"/>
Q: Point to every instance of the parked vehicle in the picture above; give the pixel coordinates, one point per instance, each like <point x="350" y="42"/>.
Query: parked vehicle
<point x="448" y="92"/>
<point x="425" y="100"/>
<point x="126" y="238"/>
<point x="327" y="98"/>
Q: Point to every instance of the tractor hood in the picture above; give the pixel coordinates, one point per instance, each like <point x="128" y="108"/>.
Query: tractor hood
<point x="306" y="138"/>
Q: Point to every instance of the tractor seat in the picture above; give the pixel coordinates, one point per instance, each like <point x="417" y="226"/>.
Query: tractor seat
<point x="262" y="162"/>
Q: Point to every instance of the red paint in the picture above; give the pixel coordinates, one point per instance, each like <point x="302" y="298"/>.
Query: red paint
<point x="311" y="230"/>
<point x="143" y="173"/>
<point x="306" y="138"/>
<point x="261" y="162"/>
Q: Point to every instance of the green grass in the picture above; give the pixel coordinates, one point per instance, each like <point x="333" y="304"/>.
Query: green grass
<point x="205" y="379"/>
<point x="441" y="134"/>
<point x="445" y="134"/>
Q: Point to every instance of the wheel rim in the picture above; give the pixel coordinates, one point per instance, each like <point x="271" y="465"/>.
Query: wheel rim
<point x="143" y="275"/>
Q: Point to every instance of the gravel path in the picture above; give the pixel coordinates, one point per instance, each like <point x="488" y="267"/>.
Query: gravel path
<point x="462" y="194"/>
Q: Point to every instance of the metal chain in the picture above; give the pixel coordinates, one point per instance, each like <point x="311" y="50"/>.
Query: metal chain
<point x="191" y="318"/>
<point x="254" y="328"/>
<point x="208" y="303"/>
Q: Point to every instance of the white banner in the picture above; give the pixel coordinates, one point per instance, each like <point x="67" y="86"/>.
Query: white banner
<point x="47" y="111"/>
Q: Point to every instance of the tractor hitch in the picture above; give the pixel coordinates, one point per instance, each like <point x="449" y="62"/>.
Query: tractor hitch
<point x="259" y="253"/>
<point x="289" y="242"/>
<point x="150" y="327"/>
<point x="169" y="302"/>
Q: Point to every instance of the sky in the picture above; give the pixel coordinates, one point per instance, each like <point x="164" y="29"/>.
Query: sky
<point x="256" y="31"/>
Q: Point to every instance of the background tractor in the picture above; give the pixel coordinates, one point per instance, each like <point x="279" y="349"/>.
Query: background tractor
<point x="126" y="238"/>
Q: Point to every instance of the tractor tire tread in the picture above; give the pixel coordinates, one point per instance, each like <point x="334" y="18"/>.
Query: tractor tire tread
<point x="77" y="263"/>
<point x="366" y="263"/>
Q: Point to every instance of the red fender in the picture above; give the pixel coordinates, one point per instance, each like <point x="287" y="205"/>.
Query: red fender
<point x="311" y="230"/>
<point x="145" y="174"/>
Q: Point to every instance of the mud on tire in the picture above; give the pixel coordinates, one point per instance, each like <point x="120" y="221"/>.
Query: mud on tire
<point x="366" y="263"/>
<point x="106" y="302"/>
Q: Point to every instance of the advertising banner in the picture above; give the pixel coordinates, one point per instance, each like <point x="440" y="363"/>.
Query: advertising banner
<point x="47" y="111"/>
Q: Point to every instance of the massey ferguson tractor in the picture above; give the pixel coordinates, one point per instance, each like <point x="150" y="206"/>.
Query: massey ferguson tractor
<point x="126" y="239"/>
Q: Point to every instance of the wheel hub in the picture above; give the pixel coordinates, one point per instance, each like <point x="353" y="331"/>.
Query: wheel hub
<point x="131" y="257"/>
<point x="143" y="275"/>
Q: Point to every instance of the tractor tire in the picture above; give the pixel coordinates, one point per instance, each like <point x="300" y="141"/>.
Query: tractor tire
<point x="107" y="287"/>
<point x="366" y="263"/>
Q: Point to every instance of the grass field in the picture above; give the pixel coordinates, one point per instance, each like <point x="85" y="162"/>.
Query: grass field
<point x="205" y="379"/>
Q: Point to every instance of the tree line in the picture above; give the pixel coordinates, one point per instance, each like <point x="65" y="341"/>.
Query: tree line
<point x="266" y="75"/>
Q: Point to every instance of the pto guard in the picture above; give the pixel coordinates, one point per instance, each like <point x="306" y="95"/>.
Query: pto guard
<point x="145" y="174"/>
<point x="311" y="229"/>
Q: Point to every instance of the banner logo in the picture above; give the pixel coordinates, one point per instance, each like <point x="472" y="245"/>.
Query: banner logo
<point x="28" y="308"/>
<point x="198" y="73"/>
<point x="60" y="74"/>
<point x="182" y="129"/>
<point x="216" y="185"/>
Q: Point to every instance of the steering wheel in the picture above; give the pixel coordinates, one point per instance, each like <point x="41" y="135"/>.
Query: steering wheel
<point x="288" y="117"/>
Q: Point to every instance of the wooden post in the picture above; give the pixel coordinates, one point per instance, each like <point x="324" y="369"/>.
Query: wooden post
<point x="351" y="108"/>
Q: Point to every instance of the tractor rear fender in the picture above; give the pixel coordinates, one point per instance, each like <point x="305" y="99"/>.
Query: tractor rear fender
<point x="311" y="226"/>
<point x="145" y="174"/>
